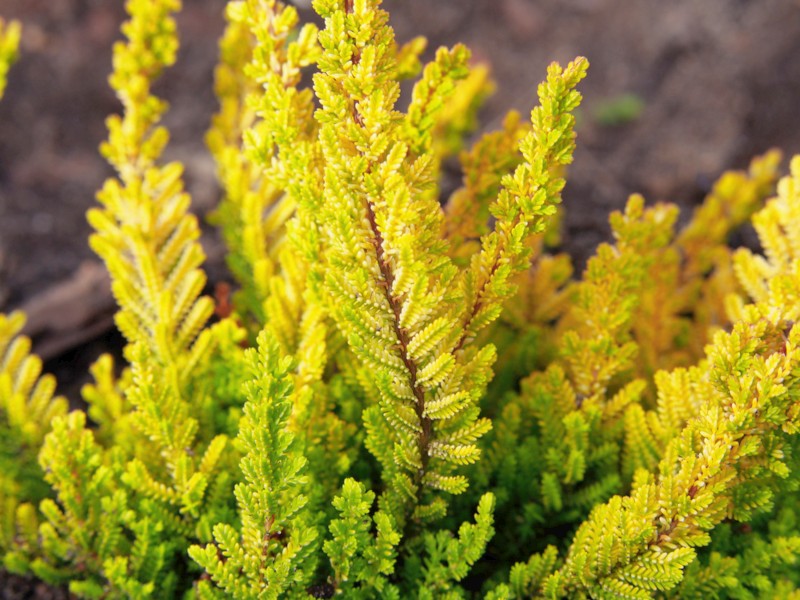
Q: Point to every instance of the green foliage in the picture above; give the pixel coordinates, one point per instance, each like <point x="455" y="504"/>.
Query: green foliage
<point x="619" y="110"/>
<point x="27" y="409"/>
<point x="274" y="554"/>
<point x="403" y="399"/>
<point x="747" y="562"/>
<point x="360" y="560"/>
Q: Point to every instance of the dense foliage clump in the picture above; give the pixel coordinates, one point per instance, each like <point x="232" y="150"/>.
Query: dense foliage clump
<point x="408" y="397"/>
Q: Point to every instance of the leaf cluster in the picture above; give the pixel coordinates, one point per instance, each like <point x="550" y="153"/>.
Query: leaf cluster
<point x="405" y="395"/>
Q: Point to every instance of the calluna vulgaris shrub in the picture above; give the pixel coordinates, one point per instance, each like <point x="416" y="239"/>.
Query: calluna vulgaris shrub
<point x="404" y="400"/>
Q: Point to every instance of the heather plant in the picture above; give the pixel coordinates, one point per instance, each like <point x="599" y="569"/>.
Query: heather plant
<point x="408" y="395"/>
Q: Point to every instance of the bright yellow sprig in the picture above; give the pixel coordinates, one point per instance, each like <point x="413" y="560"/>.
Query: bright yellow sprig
<point x="10" y="33"/>
<point x="773" y="280"/>
<point x="255" y="208"/>
<point x="149" y="242"/>
<point x="526" y="200"/>
<point x="274" y="153"/>
<point x="27" y="400"/>
<point x="279" y="154"/>
<point x="438" y="83"/>
<point x="144" y="231"/>
<point x="245" y="196"/>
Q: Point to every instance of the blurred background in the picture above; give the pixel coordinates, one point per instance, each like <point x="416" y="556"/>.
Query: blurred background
<point x="677" y="92"/>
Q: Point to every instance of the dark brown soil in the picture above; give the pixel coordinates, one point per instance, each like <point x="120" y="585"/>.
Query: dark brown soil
<point x="719" y="81"/>
<point x="26" y="588"/>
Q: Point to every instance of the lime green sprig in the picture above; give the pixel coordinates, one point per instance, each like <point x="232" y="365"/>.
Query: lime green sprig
<point x="640" y="543"/>
<point x="274" y="556"/>
<point x="361" y="562"/>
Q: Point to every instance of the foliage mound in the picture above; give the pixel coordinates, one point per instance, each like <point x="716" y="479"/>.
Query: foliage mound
<point x="407" y="396"/>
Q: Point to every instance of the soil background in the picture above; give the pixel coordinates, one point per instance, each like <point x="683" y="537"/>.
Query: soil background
<point x="718" y="81"/>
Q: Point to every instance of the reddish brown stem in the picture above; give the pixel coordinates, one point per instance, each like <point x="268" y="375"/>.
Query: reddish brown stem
<point x="478" y="304"/>
<point x="426" y="425"/>
<point x="401" y="334"/>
